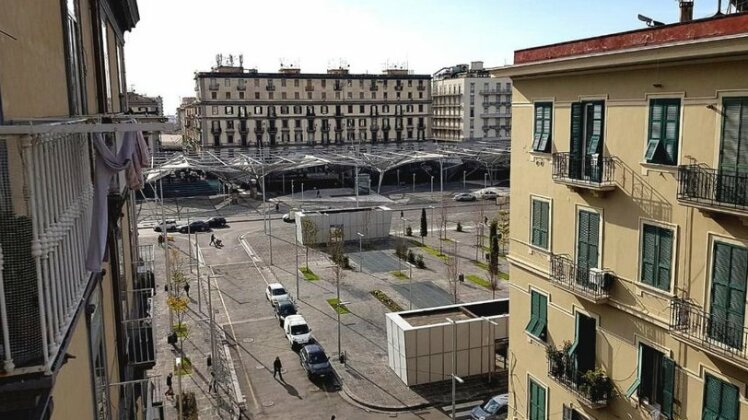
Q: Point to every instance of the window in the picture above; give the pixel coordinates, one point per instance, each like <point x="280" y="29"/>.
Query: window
<point x="230" y="138"/>
<point x="257" y="95"/>
<point x="721" y="399"/>
<point x="350" y="109"/>
<point x="337" y="95"/>
<point x="296" y="83"/>
<point x="472" y="123"/>
<point x="229" y="110"/>
<point x="309" y="95"/>
<point x="324" y="82"/>
<point x="587" y="132"/>
<point x="472" y="99"/>
<point x="213" y="95"/>
<point x="258" y="110"/>
<point x="410" y="95"/>
<point x="655" y="380"/>
<point x="536" y="407"/>
<point x="657" y="256"/>
<point x="397" y="94"/>
<point x="385" y="109"/>
<point x="420" y="108"/>
<point x="410" y="83"/>
<point x="283" y="82"/>
<point x="350" y="95"/>
<point x="227" y="82"/>
<point x="538" y="315"/>
<point x="297" y="124"/>
<point x="540" y="223"/>
<point x="361" y="109"/>
<point x="324" y="95"/>
<point x="214" y="110"/>
<point x="727" y="310"/>
<point x="542" y="136"/>
<point x="229" y="124"/>
<point x="664" y="126"/>
<point x="284" y="123"/>
<point x="228" y="95"/>
<point x="572" y="414"/>
<point x="296" y="94"/>
<point x="323" y="110"/>
<point x="362" y="122"/>
<point x="243" y="111"/>
<point x="472" y="112"/>
<point x="257" y="82"/>
<point x="361" y="95"/>
<point x="297" y="109"/>
<point x="284" y="109"/>
<point x="241" y="95"/>
<point x="270" y="95"/>
<point x="283" y="94"/>
<point x="588" y="238"/>
<point x="384" y="95"/>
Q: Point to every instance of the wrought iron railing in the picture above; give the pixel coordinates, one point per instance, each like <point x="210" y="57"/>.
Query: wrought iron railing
<point x="594" y="395"/>
<point x="710" y="331"/>
<point x="594" y="170"/>
<point x="713" y="187"/>
<point x="586" y="282"/>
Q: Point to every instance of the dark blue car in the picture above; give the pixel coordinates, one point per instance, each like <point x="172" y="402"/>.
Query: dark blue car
<point x="315" y="362"/>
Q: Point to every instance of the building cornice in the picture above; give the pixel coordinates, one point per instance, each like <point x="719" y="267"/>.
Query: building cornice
<point x="245" y="75"/>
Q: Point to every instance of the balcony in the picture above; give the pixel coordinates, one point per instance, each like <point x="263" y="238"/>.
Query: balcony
<point x="241" y="86"/>
<point x="594" y="394"/>
<point x="309" y="88"/>
<point x="398" y="87"/>
<point x="141" y="349"/>
<point x="373" y="87"/>
<point x="421" y="87"/>
<point x="213" y="86"/>
<point x="270" y="88"/>
<point x="710" y="333"/>
<point x="591" y="172"/>
<point x="496" y="114"/>
<point x="590" y="284"/>
<point x="713" y="190"/>
<point x="215" y="130"/>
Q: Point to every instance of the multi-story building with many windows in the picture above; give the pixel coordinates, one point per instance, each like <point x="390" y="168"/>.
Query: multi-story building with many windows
<point x="187" y="122"/>
<point x="76" y="338"/>
<point x="239" y="107"/>
<point x="468" y="104"/>
<point x="629" y="239"/>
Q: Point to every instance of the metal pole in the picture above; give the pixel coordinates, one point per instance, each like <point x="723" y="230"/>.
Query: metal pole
<point x="199" y="288"/>
<point x="264" y="204"/>
<point x="296" y="251"/>
<point x="454" y="363"/>
<point x="432" y="188"/>
<point x="166" y="245"/>
<point x="189" y="242"/>
<point x="464" y="173"/>
<point x="414" y="182"/>
<point x="410" y="286"/>
<point x="211" y="319"/>
<point x="337" y="308"/>
<point x="270" y="236"/>
<point x="301" y="207"/>
<point x="356" y="186"/>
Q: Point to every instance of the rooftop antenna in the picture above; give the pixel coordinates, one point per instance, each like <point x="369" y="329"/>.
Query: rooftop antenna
<point x="649" y="21"/>
<point x="241" y="60"/>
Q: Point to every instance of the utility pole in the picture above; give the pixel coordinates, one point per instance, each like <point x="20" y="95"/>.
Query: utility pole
<point x="199" y="288"/>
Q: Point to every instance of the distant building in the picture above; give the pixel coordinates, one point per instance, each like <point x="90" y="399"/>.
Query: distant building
<point x="145" y="105"/>
<point x="468" y="104"/>
<point x="188" y="122"/>
<point x="242" y="107"/>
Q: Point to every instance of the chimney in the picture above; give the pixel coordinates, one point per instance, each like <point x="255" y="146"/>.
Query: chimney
<point x="686" y="10"/>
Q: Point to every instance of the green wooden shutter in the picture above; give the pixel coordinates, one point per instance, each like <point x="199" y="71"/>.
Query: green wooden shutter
<point x="544" y="224"/>
<point x="637" y="381"/>
<point x="721" y="400"/>
<point x="649" y="254"/>
<point x="543" y="115"/>
<point x="537" y="215"/>
<point x="668" y="386"/>
<point x="734" y="147"/>
<point x="664" y="258"/>
<point x="534" y="302"/>
<point x="538" y="135"/>
<point x="595" y="128"/>
<point x="729" y="402"/>
<point x="587" y="244"/>
<point x="664" y="126"/>
<point x="542" y="315"/>
<point x="537" y="402"/>
<point x="672" y="128"/>
<point x="541" y="403"/>
<point x="576" y="154"/>
<point x="727" y="316"/>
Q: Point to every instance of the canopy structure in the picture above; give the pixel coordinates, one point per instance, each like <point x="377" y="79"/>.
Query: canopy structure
<point x="242" y="163"/>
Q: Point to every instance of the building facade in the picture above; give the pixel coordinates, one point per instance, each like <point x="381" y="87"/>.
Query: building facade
<point x="188" y="123"/>
<point x="143" y="107"/>
<point x="240" y="108"/>
<point x="74" y="332"/>
<point x="469" y="104"/>
<point x="629" y="245"/>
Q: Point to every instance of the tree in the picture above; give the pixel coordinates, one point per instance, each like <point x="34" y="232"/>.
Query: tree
<point x="335" y="245"/>
<point x="493" y="264"/>
<point x="309" y="231"/>
<point x="503" y="230"/>
<point x="424" y="225"/>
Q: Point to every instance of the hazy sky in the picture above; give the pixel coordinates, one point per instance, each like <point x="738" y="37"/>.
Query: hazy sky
<point x="175" y="38"/>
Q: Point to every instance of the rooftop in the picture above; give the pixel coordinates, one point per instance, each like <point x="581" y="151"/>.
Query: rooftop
<point x="458" y="312"/>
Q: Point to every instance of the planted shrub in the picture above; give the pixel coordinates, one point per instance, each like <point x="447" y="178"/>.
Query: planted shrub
<point x="419" y="261"/>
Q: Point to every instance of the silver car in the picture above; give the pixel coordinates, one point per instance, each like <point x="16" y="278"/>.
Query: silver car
<point x="495" y="408"/>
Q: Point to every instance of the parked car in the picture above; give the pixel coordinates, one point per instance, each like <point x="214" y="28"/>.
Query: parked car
<point x="171" y="226"/>
<point x="495" y="408"/>
<point x="275" y="292"/>
<point x="464" y="197"/>
<point x="488" y="195"/>
<point x="217" y="222"/>
<point x="315" y="362"/>
<point x="290" y="217"/>
<point x="283" y="309"/>
<point x="196" y="226"/>
<point x="297" y="331"/>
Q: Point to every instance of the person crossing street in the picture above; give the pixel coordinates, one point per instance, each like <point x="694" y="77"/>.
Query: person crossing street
<point x="277" y="366"/>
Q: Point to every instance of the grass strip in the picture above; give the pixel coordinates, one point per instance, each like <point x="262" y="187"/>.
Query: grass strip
<point x="480" y="281"/>
<point x="341" y="309"/>
<point x="400" y="275"/>
<point x="480" y="264"/>
<point x="503" y="275"/>
<point x="386" y="300"/>
<point x="308" y="274"/>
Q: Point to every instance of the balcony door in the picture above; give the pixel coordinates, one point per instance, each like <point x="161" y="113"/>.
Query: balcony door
<point x="587" y="119"/>
<point x="588" y="244"/>
<point x="584" y="347"/>
<point x="727" y="309"/>
<point x="732" y="181"/>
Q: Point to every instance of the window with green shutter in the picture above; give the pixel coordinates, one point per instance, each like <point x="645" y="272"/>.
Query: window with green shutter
<point x="540" y="223"/>
<point x="655" y="380"/>
<point x="536" y="408"/>
<point x="657" y="256"/>
<point x="728" y="293"/>
<point x="663" y="133"/>
<point x="721" y="400"/>
<point x="542" y="136"/>
<point x="732" y="182"/>
<point x="538" y="315"/>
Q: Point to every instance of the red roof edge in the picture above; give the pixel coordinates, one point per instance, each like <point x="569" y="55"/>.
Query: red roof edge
<point x="697" y="29"/>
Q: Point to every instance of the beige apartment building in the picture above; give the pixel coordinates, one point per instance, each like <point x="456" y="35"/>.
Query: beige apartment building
<point x="188" y="123"/>
<point x="629" y="237"/>
<point x="241" y="107"/>
<point x="469" y="104"/>
<point x="76" y="340"/>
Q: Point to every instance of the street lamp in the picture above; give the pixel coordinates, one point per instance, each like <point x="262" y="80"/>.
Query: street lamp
<point x="454" y="376"/>
<point x="360" y="254"/>
<point x="398" y="178"/>
<point x="485" y="180"/>
<point x="337" y="310"/>
<point x="432" y="220"/>
<point x="432" y="188"/>
<point x="464" y="173"/>
<point x="414" y="182"/>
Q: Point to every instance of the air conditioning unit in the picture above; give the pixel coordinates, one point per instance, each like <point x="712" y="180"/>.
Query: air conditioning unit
<point x="600" y="277"/>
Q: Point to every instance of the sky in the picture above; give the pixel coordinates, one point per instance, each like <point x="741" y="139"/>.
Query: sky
<point x="176" y="38"/>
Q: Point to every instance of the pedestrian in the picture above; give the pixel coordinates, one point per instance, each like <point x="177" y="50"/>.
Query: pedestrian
<point x="212" y="239"/>
<point x="277" y="207"/>
<point x="333" y="417"/>
<point x="212" y="386"/>
<point x="401" y="213"/>
<point x="209" y="362"/>
<point x="277" y="366"/>
<point x="187" y="289"/>
<point x="317" y="193"/>
<point x="169" y="390"/>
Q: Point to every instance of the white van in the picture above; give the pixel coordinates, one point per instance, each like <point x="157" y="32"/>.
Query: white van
<point x="297" y="331"/>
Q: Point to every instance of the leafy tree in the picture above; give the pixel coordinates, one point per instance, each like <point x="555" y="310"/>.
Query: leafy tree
<point x="309" y="231"/>
<point x="424" y="225"/>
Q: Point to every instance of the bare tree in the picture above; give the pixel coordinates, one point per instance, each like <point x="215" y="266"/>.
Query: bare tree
<point x="503" y="230"/>
<point x="309" y="232"/>
<point x="335" y="242"/>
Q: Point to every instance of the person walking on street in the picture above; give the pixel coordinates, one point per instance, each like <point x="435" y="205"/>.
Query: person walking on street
<point x="169" y="390"/>
<point x="212" y="239"/>
<point x="187" y="289"/>
<point x="277" y="366"/>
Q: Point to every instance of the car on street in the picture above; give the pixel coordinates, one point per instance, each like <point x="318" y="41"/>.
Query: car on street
<point x="283" y="309"/>
<point x="217" y="222"/>
<point x="488" y="195"/>
<point x="315" y="362"/>
<point x="171" y="226"/>
<point x="195" y="226"/>
<point x="495" y="408"/>
<point x="297" y="331"/>
<point x="464" y="197"/>
<point x="276" y="292"/>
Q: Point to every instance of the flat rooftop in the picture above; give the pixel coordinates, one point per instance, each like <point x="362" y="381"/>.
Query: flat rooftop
<point x="459" y="312"/>
<point x="347" y="210"/>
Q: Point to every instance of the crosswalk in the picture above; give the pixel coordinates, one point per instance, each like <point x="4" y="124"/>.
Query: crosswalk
<point x="462" y="410"/>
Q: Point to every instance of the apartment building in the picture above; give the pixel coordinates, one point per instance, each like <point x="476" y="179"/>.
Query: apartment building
<point x="629" y="241"/>
<point x="75" y="334"/>
<point x="144" y="106"/>
<point x="188" y="123"/>
<point x="469" y="104"/>
<point x="240" y="108"/>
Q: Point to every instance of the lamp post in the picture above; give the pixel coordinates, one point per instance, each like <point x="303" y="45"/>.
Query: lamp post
<point x="454" y="376"/>
<point x="301" y="207"/>
<point x="432" y="188"/>
<point x="398" y="178"/>
<point x="360" y="254"/>
<point x="485" y="180"/>
<point x="464" y="174"/>
<point x="292" y="190"/>
<point x="432" y="220"/>
<point x="491" y="344"/>
<point x="414" y="182"/>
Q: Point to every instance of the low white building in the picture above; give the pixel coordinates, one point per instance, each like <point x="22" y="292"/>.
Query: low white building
<point x="371" y="222"/>
<point x="420" y="342"/>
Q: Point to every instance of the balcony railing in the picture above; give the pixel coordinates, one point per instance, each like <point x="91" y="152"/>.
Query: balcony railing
<point x="711" y="333"/>
<point x="594" y="396"/>
<point x="241" y="86"/>
<point x="213" y="86"/>
<point x="270" y="88"/>
<point x="587" y="283"/>
<point x="141" y="399"/>
<point x="421" y="87"/>
<point x="592" y="172"/>
<point x="712" y="189"/>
